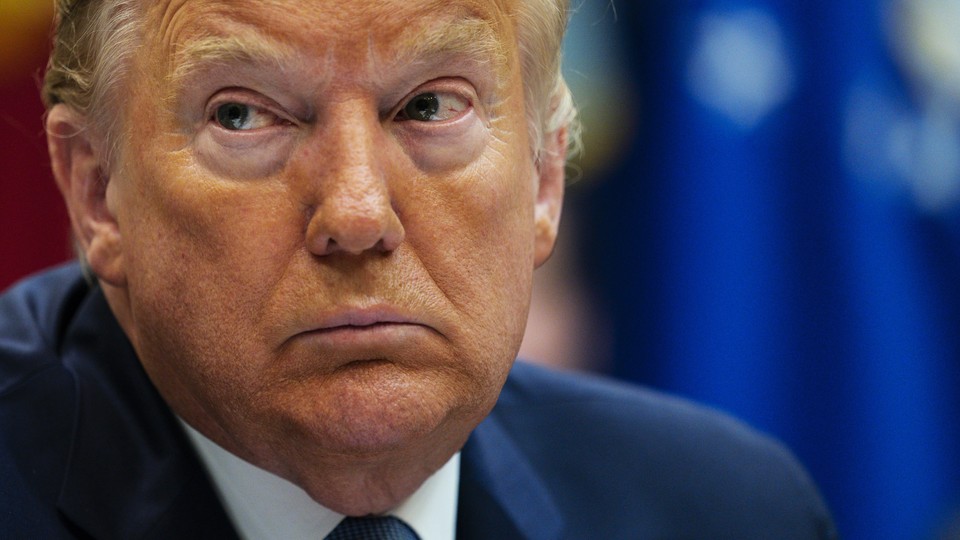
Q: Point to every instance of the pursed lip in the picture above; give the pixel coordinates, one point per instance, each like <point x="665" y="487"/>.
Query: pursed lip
<point x="348" y="334"/>
<point x="360" y="319"/>
<point x="363" y="317"/>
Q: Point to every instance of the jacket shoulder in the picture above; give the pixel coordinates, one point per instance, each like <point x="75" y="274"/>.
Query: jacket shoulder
<point x="687" y="470"/>
<point x="34" y="314"/>
<point x="37" y="399"/>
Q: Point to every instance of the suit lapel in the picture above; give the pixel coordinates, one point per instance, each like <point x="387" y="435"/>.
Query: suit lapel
<point x="501" y="494"/>
<point x="131" y="471"/>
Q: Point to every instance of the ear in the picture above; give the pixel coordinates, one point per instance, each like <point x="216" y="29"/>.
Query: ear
<point x="550" y="169"/>
<point x="77" y="165"/>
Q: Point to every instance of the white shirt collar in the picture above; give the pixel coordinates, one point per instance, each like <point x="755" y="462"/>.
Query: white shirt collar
<point x="264" y="506"/>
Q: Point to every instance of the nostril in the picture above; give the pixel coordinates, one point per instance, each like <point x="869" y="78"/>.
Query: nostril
<point x="352" y="232"/>
<point x="360" y="233"/>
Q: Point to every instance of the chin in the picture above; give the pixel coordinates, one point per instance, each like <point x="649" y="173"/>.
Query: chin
<point x="376" y="432"/>
<point x="374" y="409"/>
<point x="363" y="497"/>
<point x="366" y="455"/>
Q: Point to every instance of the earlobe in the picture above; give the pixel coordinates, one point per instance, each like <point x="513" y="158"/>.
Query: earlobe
<point x="551" y="181"/>
<point x="78" y="170"/>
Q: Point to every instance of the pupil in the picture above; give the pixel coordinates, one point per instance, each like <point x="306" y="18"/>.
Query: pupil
<point x="424" y="107"/>
<point x="232" y="115"/>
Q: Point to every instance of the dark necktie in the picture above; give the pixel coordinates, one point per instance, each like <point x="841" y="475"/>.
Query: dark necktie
<point x="372" y="528"/>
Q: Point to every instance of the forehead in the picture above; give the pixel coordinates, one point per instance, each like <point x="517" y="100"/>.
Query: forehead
<point x="350" y="32"/>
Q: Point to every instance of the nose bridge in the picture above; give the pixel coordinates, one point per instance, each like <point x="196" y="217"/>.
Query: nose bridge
<point x="355" y="210"/>
<point x="354" y="134"/>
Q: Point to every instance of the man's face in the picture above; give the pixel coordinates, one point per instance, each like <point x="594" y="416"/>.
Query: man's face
<point x="327" y="219"/>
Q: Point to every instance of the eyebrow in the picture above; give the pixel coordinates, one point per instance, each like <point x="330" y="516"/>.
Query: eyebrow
<point x="225" y="50"/>
<point x="471" y="38"/>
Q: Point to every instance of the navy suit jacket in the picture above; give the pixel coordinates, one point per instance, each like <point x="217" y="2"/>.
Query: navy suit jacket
<point x="89" y="449"/>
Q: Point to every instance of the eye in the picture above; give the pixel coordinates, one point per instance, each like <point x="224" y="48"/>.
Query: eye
<point x="234" y="116"/>
<point x="434" y="107"/>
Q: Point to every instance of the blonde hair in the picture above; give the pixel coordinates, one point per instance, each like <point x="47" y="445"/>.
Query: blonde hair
<point x="94" y="40"/>
<point x="541" y="25"/>
<point x="92" y="44"/>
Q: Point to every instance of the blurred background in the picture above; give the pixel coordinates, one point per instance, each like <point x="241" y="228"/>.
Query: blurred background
<point x="765" y="218"/>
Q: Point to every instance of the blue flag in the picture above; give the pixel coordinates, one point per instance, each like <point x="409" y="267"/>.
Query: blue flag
<point x="783" y="240"/>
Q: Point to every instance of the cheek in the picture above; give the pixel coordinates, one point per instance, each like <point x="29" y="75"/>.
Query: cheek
<point x="475" y="237"/>
<point x="202" y="256"/>
<point x="180" y="213"/>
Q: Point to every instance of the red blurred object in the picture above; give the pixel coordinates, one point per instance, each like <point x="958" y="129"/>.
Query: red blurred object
<point x="34" y="230"/>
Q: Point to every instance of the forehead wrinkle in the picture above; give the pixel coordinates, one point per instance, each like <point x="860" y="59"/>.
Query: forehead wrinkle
<point x="197" y="35"/>
<point x="171" y="21"/>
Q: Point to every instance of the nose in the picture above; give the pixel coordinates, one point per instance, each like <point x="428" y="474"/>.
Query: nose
<point x="355" y="211"/>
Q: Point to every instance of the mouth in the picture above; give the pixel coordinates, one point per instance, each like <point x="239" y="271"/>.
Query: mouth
<point x="378" y="327"/>
<point x="359" y="329"/>
<point x="363" y="318"/>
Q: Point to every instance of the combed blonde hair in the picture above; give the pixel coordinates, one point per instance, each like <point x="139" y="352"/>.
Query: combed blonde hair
<point x="94" y="40"/>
